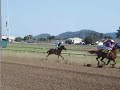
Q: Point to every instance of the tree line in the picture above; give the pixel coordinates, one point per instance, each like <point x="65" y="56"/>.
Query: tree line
<point x="30" y="38"/>
<point x="90" y="39"/>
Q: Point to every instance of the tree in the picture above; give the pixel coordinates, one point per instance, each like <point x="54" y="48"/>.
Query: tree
<point x="68" y="42"/>
<point x="101" y="35"/>
<point x="88" y="40"/>
<point x="50" y="38"/>
<point x="91" y="39"/>
<point x="118" y="33"/>
<point x="28" y="37"/>
<point x="18" y="39"/>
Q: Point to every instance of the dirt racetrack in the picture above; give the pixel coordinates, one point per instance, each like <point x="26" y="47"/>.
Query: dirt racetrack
<point x="33" y="74"/>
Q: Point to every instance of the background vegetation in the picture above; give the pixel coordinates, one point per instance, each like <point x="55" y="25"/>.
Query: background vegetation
<point x="88" y="36"/>
<point x="74" y="52"/>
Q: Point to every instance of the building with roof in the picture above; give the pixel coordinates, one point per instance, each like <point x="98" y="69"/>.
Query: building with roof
<point x="75" y="40"/>
<point x="11" y="38"/>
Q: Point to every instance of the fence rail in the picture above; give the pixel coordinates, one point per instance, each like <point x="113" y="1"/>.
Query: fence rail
<point x="71" y="56"/>
<point x="45" y="52"/>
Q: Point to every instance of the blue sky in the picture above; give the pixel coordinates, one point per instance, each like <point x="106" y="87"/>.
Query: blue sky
<point x="56" y="16"/>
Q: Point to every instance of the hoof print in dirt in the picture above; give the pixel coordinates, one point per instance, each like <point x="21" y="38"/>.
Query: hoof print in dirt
<point x="88" y="65"/>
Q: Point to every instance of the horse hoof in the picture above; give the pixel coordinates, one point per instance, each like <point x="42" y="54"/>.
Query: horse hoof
<point x="100" y="66"/>
<point x="113" y="66"/>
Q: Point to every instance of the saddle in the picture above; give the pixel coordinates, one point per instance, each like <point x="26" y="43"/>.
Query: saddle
<point x="106" y="51"/>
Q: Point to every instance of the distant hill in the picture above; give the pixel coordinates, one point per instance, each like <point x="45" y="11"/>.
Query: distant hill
<point x="66" y="35"/>
<point x="44" y="35"/>
<point x="84" y="33"/>
<point x="113" y="35"/>
<point x="81" y="34"/>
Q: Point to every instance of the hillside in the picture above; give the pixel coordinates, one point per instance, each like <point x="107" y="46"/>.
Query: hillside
<point x="113" y="35"/>
<point x="44" y="35"/>
<point x="81" y="34"/>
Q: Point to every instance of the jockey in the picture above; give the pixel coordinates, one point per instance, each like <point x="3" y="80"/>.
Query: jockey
<point x="108" y="45"/>
<point x="59" y="44"/>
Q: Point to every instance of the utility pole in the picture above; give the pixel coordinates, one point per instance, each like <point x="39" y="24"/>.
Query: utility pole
<point x="0" y="27"/>
<point x="0" y="42"/>
<point x="7" y="25"/>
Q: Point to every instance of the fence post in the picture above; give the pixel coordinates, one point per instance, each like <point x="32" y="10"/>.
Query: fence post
<point x="70" y="57"/>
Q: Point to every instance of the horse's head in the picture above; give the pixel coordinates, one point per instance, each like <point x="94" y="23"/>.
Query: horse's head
<point x="117" y="46"/>
<point x="63" y="47"/>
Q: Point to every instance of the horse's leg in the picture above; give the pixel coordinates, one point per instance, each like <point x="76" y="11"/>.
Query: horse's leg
<point x="114" y="62"/>
<point x="61" y="57"/>
<point x="102" y="60"/>
<point x="98" y="60"/>
<point x="58" y="56"/>
<point x="47" y="56"/>
<point x="108" y="61"/>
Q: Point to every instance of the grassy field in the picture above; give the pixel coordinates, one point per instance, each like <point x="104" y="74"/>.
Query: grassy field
<point x="44" y="47"/>
<point x="75" y="53"/>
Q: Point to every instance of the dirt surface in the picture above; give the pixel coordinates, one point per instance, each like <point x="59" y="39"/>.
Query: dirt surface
<point x="36" y="74"/>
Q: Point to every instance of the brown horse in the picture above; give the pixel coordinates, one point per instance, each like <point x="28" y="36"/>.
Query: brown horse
<point x="56" y="51"/>
<point x="110" y="56"/>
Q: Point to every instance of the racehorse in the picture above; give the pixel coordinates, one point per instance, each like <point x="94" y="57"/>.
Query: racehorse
<point x="110" y="56"/>
<point x="56" y="51"/>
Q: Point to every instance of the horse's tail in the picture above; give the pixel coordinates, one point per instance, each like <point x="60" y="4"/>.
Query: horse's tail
<point x="48" y="51"/>
<point x="92" y="52"/>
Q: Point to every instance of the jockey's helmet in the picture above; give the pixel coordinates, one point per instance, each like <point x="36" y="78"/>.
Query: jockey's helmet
<point x="112" y="40"/>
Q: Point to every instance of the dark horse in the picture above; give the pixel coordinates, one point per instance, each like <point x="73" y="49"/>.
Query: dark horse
<point x="56" y="51"/>
<point x="110" y="56"/>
